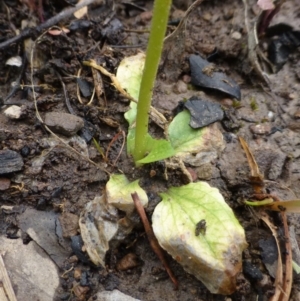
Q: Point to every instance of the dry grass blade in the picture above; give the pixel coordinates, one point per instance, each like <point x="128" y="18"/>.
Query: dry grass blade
<point x="286" y="206"/>
<point x="6" y="290"/>
<point x="256" y="177"/>
<point x="279" y="272"/>
<point x="156" y="116"/>
<point x="151" y="237"/>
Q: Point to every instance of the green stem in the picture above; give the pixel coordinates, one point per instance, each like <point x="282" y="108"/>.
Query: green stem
<point x="154" y="49"/>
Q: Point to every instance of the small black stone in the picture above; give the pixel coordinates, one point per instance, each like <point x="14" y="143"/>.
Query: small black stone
<point x="25" y="151"/>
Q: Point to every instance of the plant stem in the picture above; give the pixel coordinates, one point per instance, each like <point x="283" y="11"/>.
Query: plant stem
<point x="154" y="49"/>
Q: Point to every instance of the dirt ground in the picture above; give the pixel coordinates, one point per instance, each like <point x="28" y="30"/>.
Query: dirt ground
<point x="55" y="183"/>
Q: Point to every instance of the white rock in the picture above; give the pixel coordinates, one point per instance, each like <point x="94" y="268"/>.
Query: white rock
<point x="114" y="295"/>
<point x="13" y="112"/>
<point x="236" y="35"/>
<point x="14" y="61"/>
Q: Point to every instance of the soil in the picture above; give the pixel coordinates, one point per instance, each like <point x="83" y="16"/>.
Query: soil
<point x="55" y="179"/>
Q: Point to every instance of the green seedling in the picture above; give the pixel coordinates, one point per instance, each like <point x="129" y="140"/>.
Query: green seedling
<point x="153" y="55"/>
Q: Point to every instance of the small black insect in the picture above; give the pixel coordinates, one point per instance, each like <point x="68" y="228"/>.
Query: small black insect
<point x="200" y="227"/>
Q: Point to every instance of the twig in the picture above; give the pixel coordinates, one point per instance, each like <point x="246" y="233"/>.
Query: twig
<point x="6" y="289"/>
<point x="288" y="278"/>
<point x="110" y="144"/>
<point x="151" y="237"/>
<point x="252" y="45"/>
<point x="28" y="32"/>
<point x="67" y="100"/>
<point x="279" y="272"/>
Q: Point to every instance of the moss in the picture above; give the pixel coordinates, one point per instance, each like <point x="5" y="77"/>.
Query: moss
<point x="236" y="103"/>
<point x="253" y="104"/>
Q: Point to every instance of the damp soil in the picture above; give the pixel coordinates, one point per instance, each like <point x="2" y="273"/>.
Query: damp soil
<point x="56" y="179"/>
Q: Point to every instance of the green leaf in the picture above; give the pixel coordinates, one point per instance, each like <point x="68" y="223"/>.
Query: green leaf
<point x="158" y="149"/>
<point x="296" y="267"/>
<point x="214" y="254"/>
<point x="130" y="115"/>
<point x="129" y="73"/>
<point x="194" y="146"/>
<point x="119" y="190"/>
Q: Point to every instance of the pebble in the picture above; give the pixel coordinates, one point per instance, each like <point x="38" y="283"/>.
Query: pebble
<point x="129" y="261"/>
<point x="206" y="16"/>
<point x="77" y="273"/>
<point x="180" y="87"/>
<point x="227" y="102"/>
<point x="112" y="295"/>
<point x="236" y="35"/>
<point x="13" y="112"/>
<point x="64" y="123"/>
<point x="10" y="161"/>
<point x="206" y="48"/>
<point x="186" y="79"/>
<point x="261" y="129"/>
<point x="144" y="17"/>
<point x="4" y="184"/>
<point x="204" y="172"/>
<point x="178" y="14"/>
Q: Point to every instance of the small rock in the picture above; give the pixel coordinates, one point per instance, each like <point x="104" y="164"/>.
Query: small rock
<point x="271" y="116"/>
<point x="77" y="273"/>
<point x="236" y="35"/>
<point x="113" y="295"/>
<point x="227" y="102"/>
<point x="25" y="151"/>
<point x="80" y="291"/>
<point x="297" y="114"/>
<point x="13" y="112"/>
<point x="64" y="123"/>
<point x="178" y="14"/>
<point x="204" y="172"/>
<point x="292" y="96"/>
<point x="129" y="261"/>
<point x="73" y="259"/>
<point x="10" y="161"/>
<point x="69" y="224"/>
<point x="206" y="16"/>
<point x="186" y="79"/>
<point x="228" y="14"/>
<point x="144" y="17"/>
<point x="261" y="129"/>
<point x="180" y="87"/>
<point x="251" y="271"/>
<point x="4" y="184"/>
<point x="205" y="48"/>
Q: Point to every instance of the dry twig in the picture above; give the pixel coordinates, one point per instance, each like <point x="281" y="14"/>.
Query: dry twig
<point x="151" y="237"/>
<point x="30" y="32"/>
